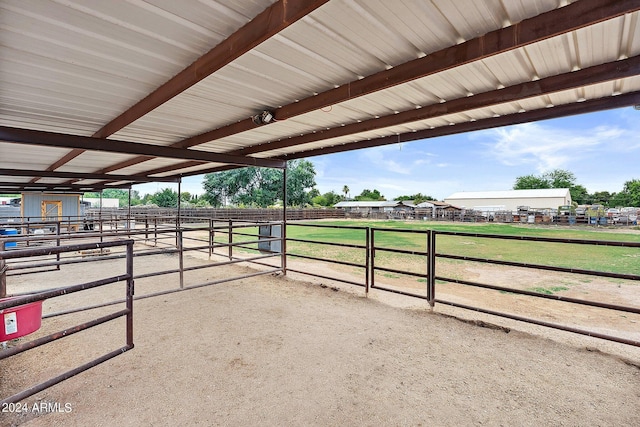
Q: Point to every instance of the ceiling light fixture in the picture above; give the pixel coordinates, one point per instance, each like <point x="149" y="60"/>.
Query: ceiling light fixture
<point x="264" y="118"/>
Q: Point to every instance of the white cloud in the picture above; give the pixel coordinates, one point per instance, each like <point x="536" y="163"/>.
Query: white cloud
<point x="545" y="147"/>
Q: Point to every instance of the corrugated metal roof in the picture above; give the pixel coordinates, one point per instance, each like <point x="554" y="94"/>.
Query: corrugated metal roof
<point x="510" y="194"/>
<point x="76" y="66"/>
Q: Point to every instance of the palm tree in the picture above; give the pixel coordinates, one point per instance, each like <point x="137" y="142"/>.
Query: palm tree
<point x="345" y="190"/>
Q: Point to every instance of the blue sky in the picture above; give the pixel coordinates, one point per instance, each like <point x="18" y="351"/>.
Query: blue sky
<point x="602" y="150"/>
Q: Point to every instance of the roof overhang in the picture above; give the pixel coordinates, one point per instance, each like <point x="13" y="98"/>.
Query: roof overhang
<point x="100" y="95"/>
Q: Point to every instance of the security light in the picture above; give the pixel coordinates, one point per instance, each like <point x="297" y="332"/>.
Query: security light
<point x="263" y="118"/>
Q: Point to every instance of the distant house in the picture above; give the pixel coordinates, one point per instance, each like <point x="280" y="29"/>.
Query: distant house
<point x="511" y="200"/>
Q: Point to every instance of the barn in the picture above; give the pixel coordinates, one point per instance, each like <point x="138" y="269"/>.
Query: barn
<point x="511" y="200"/>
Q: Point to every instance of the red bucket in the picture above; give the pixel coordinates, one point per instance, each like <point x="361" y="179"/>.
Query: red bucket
<point x="21" y="320"/>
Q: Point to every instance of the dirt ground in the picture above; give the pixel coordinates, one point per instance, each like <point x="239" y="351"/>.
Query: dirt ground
<point x="273" y="350"/>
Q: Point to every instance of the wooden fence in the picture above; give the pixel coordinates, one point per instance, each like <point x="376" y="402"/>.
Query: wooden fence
<point x="223" y="214"/>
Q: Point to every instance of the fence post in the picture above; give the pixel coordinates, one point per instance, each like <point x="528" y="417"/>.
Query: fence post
<point x="3" y="274"/>
<point x="373" y="259"/>
<point x="431" y="267"/>
<point x="181" y="257"/>
<point x="212" y="237"/>
<point x="367" y="260"/>
<point x="58" y="244"/>
<point x="283" y="247"/>
<point x="230" y="239"/>
<point x="100" y="223"/>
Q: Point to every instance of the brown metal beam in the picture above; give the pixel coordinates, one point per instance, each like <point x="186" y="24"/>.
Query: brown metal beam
<point x="588" y="76"/>
<point x="593" y="105"/>
<point x="10" y="187"/>
<point x="550" y="24"/>
<point x="50" y="139"/>
<point x="265" y="25"/>
<point x="82" y="176"/>
<point x="532" y="30"/>
<point x="268" y="23"/>
<point x="585" y="77"/>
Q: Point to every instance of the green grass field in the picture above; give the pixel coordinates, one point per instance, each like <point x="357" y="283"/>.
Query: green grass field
<point x="598" y="258"/>
<point x="625" y="260"/>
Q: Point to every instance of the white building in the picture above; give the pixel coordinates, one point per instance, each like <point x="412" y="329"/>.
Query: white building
<point x="510" y="200"/>
<point x="106" y="202"/>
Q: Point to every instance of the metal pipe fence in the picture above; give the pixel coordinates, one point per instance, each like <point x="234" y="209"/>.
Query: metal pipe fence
<point x="33" y="252"/>
<point x="372" y="252"/>
<point x="362" y="247"/>
<point x="17" y="302"/>
<point x="373" y="242"/>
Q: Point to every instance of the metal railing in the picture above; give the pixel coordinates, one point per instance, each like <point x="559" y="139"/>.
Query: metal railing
<point x="364" y="247"/>
<point x="541" y="267"/>
<point x="18" y="301"/>
<point x="370" y="243"/>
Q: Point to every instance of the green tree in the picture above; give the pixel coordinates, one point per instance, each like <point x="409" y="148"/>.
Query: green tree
<point x="557" y="178"/>
<point x="417" y="198"/>
<point x="262" y="187"/>
<point x="530" y="182"/>
<point x="560" y="178"/>
<point x="333" y="198"/>
<point x="601" y="197"/>
<point x="580" y="195"/>
<point x="166" y="198"/>
<point x="629" y="196"/>
<point x="345" y="190"/>
<point x="117" y="193"/>
<point x="369" y="195"/>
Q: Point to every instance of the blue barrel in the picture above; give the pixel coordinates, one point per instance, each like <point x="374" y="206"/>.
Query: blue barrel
<point x="9" y="232"/>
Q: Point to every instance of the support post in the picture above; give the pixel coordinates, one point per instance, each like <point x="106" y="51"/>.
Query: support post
<point x="130" y="294"/>
<point x="283" y="234"/>
<point x="100" y="218"/>
<point x="129" y="215"/>
<point x="178" y="215"/>
<point x="181" y="259"/>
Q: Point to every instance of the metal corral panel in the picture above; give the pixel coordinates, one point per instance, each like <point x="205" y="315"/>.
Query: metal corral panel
<point x="32" y="204"/>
